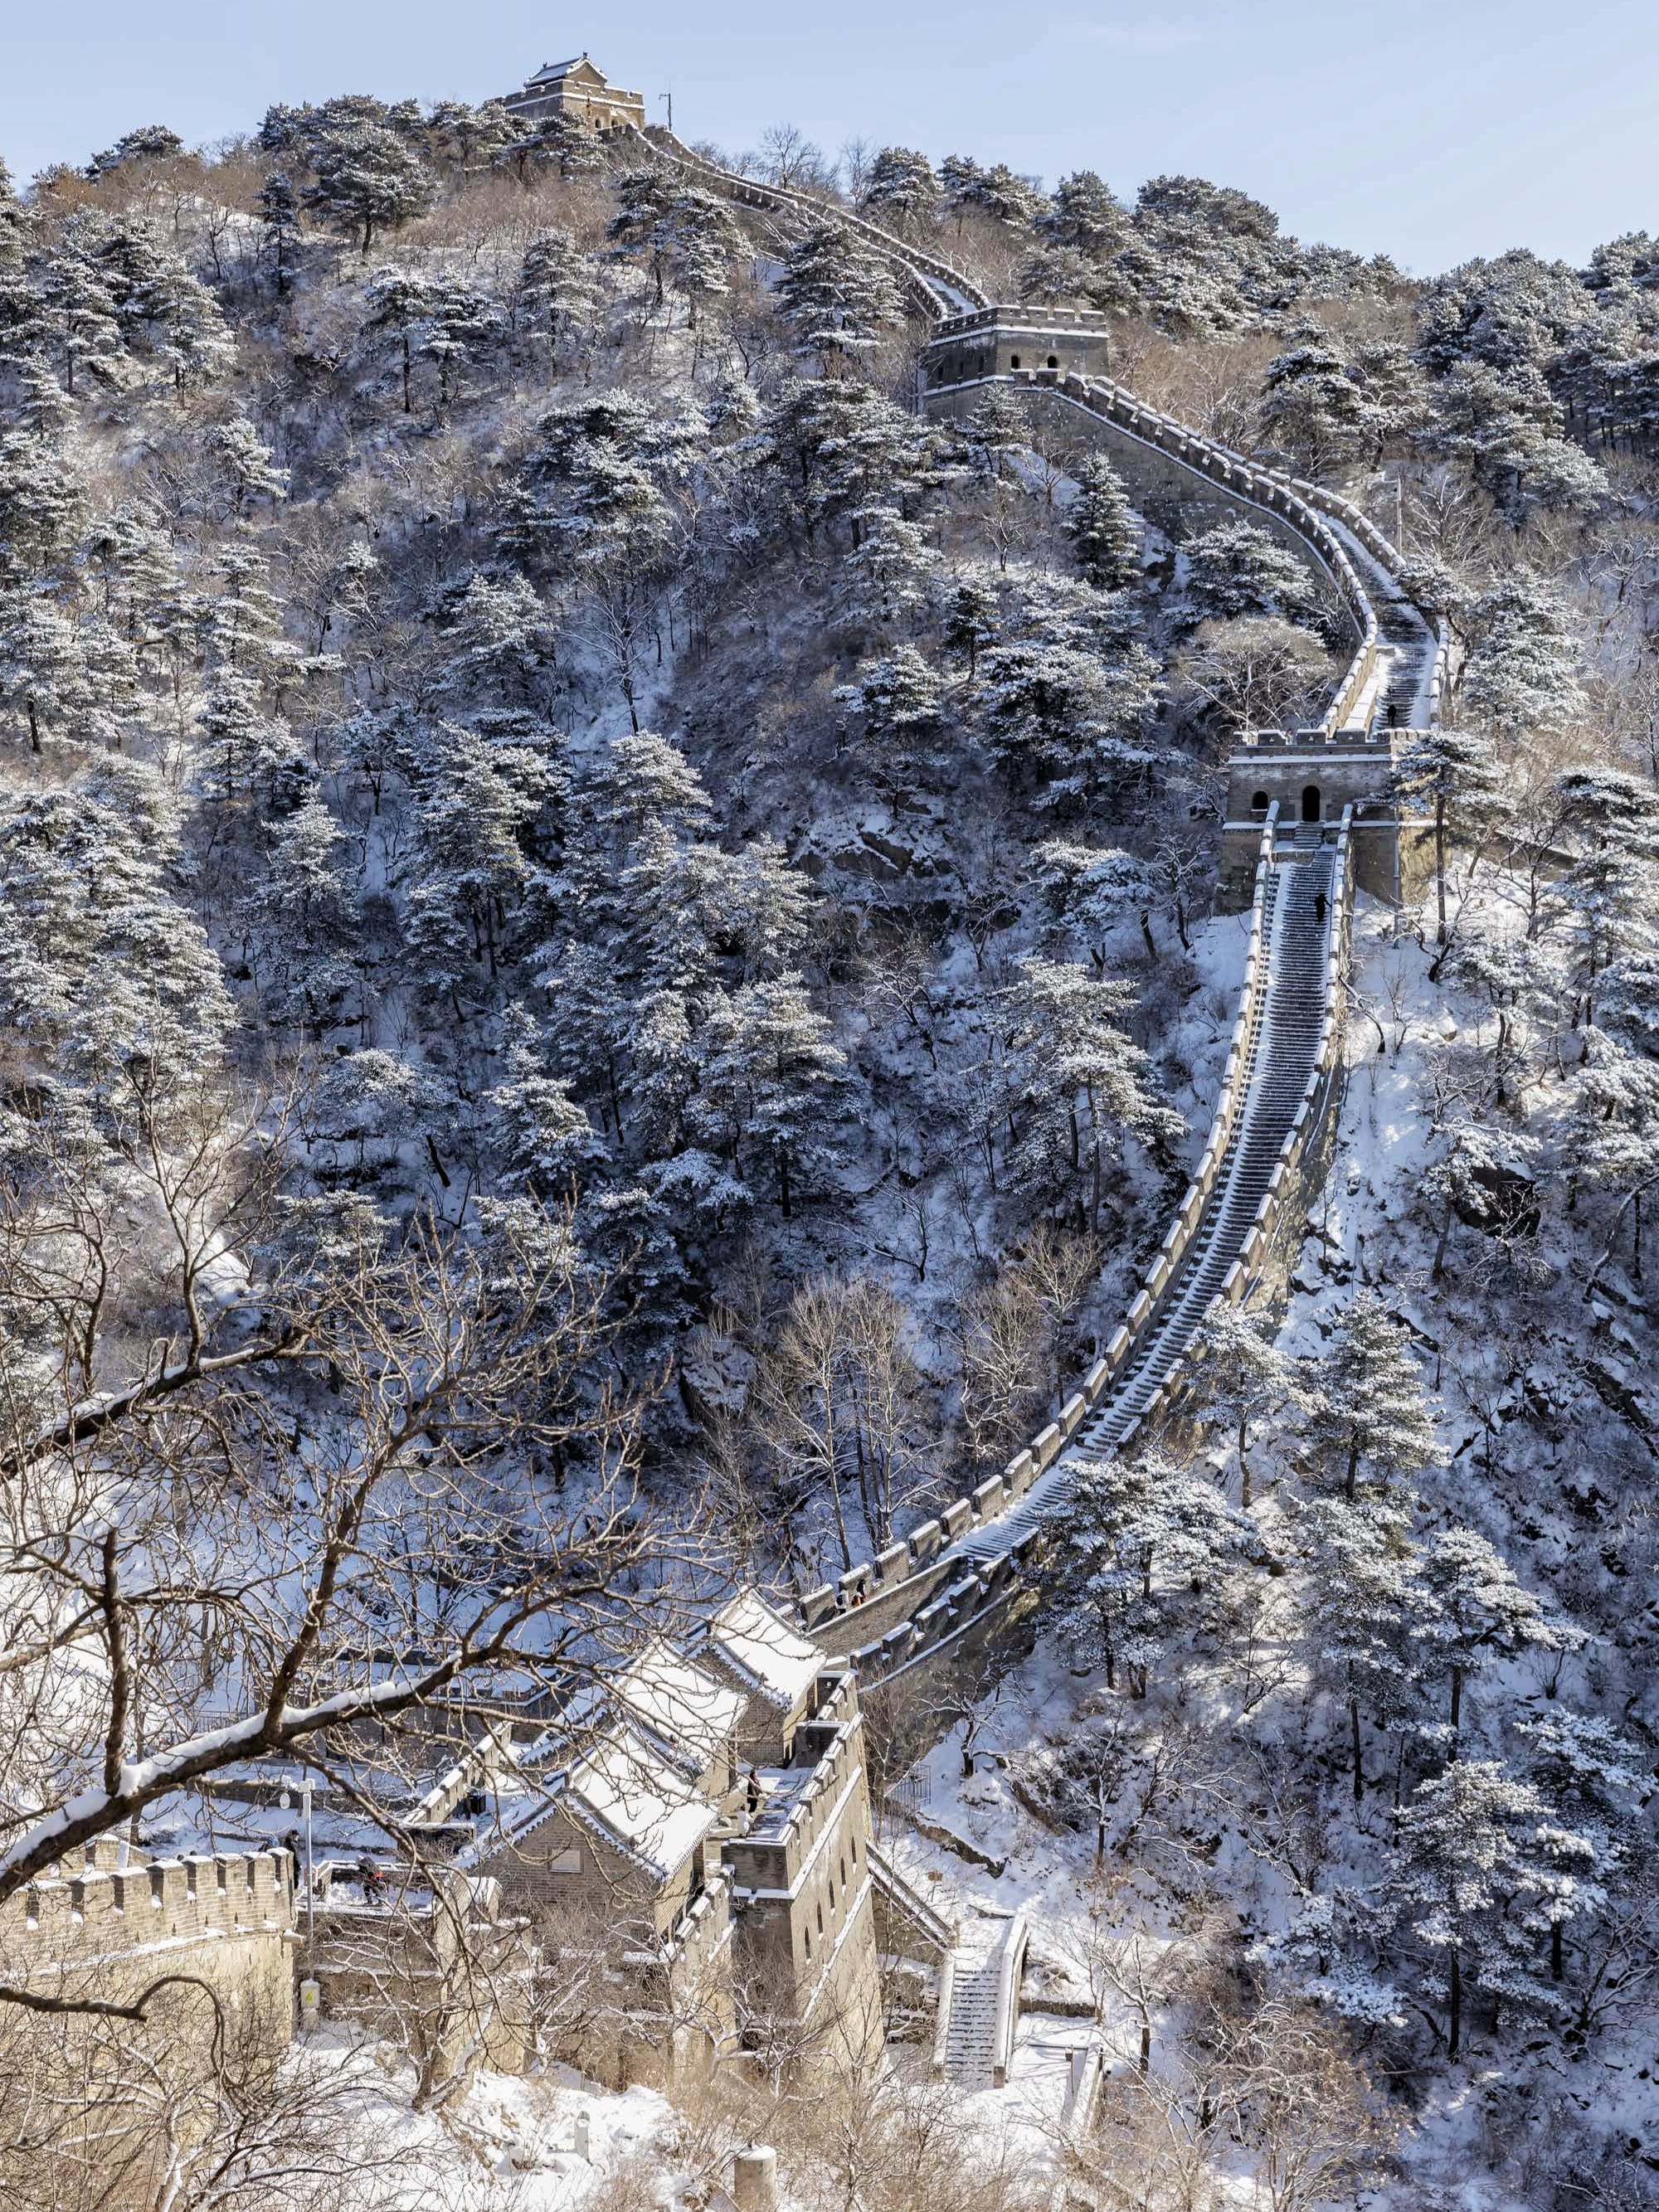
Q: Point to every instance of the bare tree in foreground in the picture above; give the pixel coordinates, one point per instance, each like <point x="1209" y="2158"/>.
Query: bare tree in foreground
<point x="383" y="1535"/>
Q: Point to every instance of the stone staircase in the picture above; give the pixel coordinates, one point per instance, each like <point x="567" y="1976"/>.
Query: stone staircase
<point x="979" y="2001"/>
<point x="1281" y="1047"/>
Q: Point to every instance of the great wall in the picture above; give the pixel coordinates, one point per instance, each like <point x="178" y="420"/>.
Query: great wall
<point x="1304" y="830"/>
<point x="1275" y="1115"/>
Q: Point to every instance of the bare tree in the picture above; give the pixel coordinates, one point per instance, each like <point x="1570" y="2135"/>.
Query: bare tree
<point x="186" y="1545"/>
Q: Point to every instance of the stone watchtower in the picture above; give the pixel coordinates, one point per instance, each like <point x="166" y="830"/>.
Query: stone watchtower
<point x="1008" y="340"/>
<point x="1314" y="775"/>
<point x="576" y="92"/>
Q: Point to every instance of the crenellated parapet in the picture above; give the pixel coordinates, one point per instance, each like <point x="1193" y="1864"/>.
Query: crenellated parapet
<point x="109" y="1908"/>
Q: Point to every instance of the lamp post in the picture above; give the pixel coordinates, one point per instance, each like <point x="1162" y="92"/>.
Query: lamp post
<point x="311" y="1881"/>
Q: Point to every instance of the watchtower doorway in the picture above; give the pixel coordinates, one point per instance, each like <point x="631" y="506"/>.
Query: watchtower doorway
<point x="1310" y="802"/>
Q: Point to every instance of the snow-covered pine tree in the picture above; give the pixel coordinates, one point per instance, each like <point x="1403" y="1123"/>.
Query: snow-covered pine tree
<point x="901" y="186"/>
<point x="1367" y="1610"/>
<point x="78" y="315"/>
<point x="1240" y="1376"/>
<point x="1482" y="1611"/>
<point x="1456" y="774"/>
<point x="1079" y="1086"/>
<point x="771" y="1085"/>
<point x="557" y="290"/>
<point x="1478" y="1871"/>
<point x="1104" y="534"/>
<point x="368" y="179"/>
<point x="837" y="295"/>
<point x="1236" y="569"/>
<point x="1370" y="1408"/>
<point x="279" y="238"/>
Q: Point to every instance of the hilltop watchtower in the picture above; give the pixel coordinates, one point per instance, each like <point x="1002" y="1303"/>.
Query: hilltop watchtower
<point x="576" y="92"/>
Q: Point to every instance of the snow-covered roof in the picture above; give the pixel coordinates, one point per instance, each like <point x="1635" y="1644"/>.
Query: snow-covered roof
<point x="625" y="1784"/>
<point x="763" y="1649"/>
<point x="688" y="1710"/>
<point x="550" y="72"/>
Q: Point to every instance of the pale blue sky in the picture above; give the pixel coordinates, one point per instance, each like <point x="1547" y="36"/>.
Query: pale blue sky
<point x="1430" y="129"/>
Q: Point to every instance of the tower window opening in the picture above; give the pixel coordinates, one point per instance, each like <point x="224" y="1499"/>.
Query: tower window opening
<point x="1013" y="361"/>
<point x="1259" y="803"/>
<point x="1053" y="360"/>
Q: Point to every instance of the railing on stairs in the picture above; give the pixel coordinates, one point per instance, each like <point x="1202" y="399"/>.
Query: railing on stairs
<point x="905" y="1902"/>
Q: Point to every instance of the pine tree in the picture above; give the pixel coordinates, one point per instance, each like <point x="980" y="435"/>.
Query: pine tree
<point x="901" y="186"/>
<point x="1367" y="1612"/>
<point x="837" y="295"/>
<point x="1239" y="1375"/>
<point x="1482" y="1610"/>
<point x="557" y="290"/>
<point x="499" y="650"/>
<point x="1370" y="1408"/>
<point x="470" y="817"/>
<point x="594" y="495"/>
<point x="368" y="177"/>
<point x="1085" y="214"/>
<point x="770" y="1083"/>
<point x="163" y="310"/>
<point x="1147" y="1539"/>
<point x="970" y="617"/>
<point x="897" y="708"/>
<point x="279" y="215"/>
<point x="997" y="430"/>
<point x="1606" y="903"/>
<point x="1457" y="773"/>
<point x="1476" y="1872"/>
<point x="151" y="142"/>
<point x="1095" y="892"/>
<point x="302" y="918"/>
<point x="994" y="191"/>
<point x="461" y="326"/>
<point x="1236" y="569"/>
<point x="42" y="501"/>
<point x="1522" y="672"/>
<point x="245" y="745"/>
<point x="1063" y="722"/>
<point x="78" y="313"/>
<point x="400" y="310"/>
<point x="135" y="562"/>
<point x="43" y="674"/>
<point x="1079" y="1086"/>
<point x="882" y="584"/>
<point x="247" y="466"/>
<point x="1104" y="534"/>
<point x="541" y="1141"/>
<point x="1594" y="1783"/>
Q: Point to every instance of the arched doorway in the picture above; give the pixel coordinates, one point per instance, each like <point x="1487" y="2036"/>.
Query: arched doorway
<point x="1310" y="802"/>
<point x="1258" y="806"/>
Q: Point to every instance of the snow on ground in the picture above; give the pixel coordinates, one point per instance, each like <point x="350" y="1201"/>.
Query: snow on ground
<point x="534" y="2143"/>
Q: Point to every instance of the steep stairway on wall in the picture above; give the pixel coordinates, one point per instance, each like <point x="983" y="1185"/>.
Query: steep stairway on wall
<point x="1280" y="1047"/>
<point x="979" y="2003"/>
